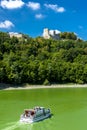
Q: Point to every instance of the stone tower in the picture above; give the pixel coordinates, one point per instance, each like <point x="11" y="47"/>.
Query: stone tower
<point x="54" y="34"/>
<point x="46" y="34"/>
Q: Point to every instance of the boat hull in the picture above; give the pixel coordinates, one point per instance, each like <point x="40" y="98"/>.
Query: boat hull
<point x="37" y="119"/>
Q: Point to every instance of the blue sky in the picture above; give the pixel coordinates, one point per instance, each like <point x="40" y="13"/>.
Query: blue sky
<point x="30" y="17"/>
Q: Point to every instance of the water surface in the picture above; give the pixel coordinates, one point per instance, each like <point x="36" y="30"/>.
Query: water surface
<point x="68" y="106"/>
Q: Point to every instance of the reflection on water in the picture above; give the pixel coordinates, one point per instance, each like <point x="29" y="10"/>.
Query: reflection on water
<point x="18" y="125"/>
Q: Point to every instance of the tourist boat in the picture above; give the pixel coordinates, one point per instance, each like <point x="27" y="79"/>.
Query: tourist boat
<point x="35" y="115"/>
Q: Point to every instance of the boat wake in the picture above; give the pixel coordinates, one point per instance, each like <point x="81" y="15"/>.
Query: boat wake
<point x="15" y="125"/>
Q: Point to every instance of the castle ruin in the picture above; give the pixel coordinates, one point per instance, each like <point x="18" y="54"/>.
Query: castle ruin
<point x="12" y="34"/>
<point x="54" y="34"/>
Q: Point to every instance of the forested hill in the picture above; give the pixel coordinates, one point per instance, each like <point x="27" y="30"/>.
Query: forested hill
<point x="41" y="61"/>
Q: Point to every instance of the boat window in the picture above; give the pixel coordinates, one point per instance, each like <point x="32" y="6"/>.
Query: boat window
<point x="32" y="113"/>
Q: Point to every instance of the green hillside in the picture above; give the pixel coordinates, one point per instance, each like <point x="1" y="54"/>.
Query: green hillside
<point x="42" y="61"/>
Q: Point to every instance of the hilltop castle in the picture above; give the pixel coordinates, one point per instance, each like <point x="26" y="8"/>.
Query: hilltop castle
<point x="47" y="34"/>
<point x="55" y="34"/>
<point x="12" y="34"/>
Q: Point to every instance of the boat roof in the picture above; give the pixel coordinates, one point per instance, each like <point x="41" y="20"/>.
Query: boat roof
<point x="38" y="107"/>
<point x="28" y="109"/>
<point x="35" y="108"/>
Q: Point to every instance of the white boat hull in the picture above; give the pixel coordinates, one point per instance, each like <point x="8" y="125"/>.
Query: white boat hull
<point x="29" y="120"/>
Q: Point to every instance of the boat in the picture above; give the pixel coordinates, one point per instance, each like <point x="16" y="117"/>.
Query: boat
<point x="34" y="115"/>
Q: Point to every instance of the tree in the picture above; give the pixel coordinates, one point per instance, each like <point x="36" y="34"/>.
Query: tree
<point x="4" y="37"/>
<point x="43" y="61"/>
<point x="68" y="35"/>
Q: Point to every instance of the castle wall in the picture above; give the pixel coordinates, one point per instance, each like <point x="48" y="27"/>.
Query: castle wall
<point x="50" y="34"/>
<point x="46" y="34"/>
<point x="15" y="35"/>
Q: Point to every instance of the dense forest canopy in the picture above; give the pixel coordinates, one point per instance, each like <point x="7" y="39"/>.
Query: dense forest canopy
<point x="43" y="61"/>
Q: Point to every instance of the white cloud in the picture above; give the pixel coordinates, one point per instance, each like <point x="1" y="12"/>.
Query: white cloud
<point x="6" y="24"/>
<point x="11" y="4"/>
<point x="33" y="5"/>
<point x="55" y="7"/>
<point x="39" y="16"/>
<point x="60" y="9"/>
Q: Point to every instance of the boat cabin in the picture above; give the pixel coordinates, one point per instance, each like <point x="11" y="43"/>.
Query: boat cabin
<point x="29" y="112"/>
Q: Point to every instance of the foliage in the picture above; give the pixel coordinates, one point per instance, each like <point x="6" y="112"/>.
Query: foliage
<point x="41" y="61"/>
<point x="46" y="82"/>
<point x="68" y="35"/>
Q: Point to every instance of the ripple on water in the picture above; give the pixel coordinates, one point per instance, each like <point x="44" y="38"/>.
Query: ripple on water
<point x="45" y="124"/>
<point x="17" y="126"/>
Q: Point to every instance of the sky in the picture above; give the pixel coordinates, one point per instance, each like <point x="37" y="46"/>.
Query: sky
<point x="31" y="17"/>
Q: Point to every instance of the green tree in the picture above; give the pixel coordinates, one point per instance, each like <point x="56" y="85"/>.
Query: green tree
<point x="68" y="35"/>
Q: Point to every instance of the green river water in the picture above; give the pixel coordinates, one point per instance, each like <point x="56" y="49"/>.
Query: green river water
<point x="68" y="106"/>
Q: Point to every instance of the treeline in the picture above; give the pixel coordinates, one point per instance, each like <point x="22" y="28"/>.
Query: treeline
<point x="41" y="61"/>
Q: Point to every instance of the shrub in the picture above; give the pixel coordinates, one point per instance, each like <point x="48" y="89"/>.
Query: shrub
<point x="46" y="82"/>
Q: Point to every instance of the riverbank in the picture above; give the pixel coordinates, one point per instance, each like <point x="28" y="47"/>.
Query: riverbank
<point x="9" y="87"/>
